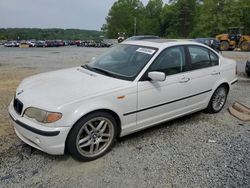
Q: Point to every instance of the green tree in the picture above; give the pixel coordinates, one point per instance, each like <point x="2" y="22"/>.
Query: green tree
<point x="178" y="18"/>
<point x="121" y="17"/>
<point x="47" y="34"/>
<point x="169" y="21"/>
<point x="244" y="14"/>
<point x="152" y="21"/>
<point x="186" y="10"/>
<point x="217" y="16"/>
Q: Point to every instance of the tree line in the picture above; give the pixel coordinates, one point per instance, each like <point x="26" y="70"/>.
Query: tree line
<point x="177" y="18"/>
<point x="47" y="34"/>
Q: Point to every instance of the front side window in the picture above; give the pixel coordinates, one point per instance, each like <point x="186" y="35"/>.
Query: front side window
<point x="202" y="57"/>
<point x="170" y="61"/>
<point x="123" y="61"/>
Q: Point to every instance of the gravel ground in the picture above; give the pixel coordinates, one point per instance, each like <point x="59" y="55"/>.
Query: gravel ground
<point x="199" y="150"/>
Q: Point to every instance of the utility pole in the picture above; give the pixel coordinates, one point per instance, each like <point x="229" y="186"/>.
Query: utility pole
<point x="135" y="26"/>
<point x="135" y="23"/>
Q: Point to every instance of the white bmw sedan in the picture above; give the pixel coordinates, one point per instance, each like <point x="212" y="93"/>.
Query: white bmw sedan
<point x="133" y="86"/>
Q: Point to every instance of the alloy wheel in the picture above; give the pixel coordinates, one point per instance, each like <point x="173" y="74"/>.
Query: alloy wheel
<point x="219" y="98"/>
<point x="95" y="136"/>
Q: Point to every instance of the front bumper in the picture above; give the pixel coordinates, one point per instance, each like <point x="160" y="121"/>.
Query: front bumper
<point x="48" y="139"/>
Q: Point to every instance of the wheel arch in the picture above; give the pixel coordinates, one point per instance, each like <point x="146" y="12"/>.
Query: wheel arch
<point x="111" y="112"/>
<point x="226" y="84"/>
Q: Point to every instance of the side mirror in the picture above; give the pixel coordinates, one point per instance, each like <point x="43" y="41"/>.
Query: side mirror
<point x="157" y="76"/>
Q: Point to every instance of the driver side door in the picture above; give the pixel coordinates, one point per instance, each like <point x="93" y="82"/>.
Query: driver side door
<point x="162" y="100"/>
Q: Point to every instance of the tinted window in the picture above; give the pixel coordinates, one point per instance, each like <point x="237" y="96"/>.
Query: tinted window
<point x="171" y="61"/>
<point x="214" y="59"/>
<point x="202" y="57"/>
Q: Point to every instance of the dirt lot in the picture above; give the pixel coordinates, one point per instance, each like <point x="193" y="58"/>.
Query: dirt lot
<point x="199" y="150"/>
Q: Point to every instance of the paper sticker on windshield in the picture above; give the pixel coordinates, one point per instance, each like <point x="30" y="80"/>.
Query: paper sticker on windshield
<point x="146" y="50"/>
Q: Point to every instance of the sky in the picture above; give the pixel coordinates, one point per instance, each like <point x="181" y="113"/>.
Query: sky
<point x="77" y="14"/>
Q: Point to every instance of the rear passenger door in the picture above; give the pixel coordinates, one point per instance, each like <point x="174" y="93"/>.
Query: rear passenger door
<point x="204" y="73"/>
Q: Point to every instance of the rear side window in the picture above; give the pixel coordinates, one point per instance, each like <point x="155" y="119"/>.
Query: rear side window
<point x="170" y="61"/>
<point x="202" y="57"/>
<point x="213" y="58"/>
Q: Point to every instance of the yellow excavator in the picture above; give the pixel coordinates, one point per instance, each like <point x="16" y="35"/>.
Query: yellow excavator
<point x="234" y="39"/>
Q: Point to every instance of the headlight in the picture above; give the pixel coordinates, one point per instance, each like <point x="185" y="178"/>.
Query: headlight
<point x="42" y="116"/>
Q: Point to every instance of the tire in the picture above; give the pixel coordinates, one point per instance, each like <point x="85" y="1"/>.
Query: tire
<point x="245" y="46"/>
<point x="217" y="100"/>
<point x="92" y="136"/>
<point x="247" y="68"/>
<point x="224" y="46"/>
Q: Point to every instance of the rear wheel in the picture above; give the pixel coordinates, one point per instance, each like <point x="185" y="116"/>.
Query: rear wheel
<point x="245" y="46"/>
<point x="92" y="136"/>
<point x="224" y="46"/>
<point x="247" y="68"/>
<point x="217" y="100"/>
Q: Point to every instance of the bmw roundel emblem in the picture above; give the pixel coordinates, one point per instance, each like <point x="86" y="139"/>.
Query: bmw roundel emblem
<point x="20" y="92"/>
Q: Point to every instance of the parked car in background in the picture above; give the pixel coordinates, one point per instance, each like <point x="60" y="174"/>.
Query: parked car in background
<point x="134" y="85"/>
<point x="66" y="43"/>
<point x="72" y="42"/>
<point x="92" y="43"/>
<point x="31" y="43"/>
<point x="53" y="43"/>
<point x="11" y="44"/>
<point x="106" y="44"/>
<point x="40" y="43"/>
<point x="247" y="68"/>
<point x="48" y="43"/>
<point x="77" y="42"/>
<point x="212" y="42"/>
<point x="60" y="43"/>
<point x="2" y="42"/>
<point x="24" y="44"/>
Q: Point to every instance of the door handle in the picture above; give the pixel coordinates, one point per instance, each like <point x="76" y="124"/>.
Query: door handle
<point x="215" y="73"/>
<point x="184" y="80"/>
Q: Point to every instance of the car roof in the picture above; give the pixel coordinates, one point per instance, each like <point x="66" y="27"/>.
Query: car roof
<point x="142" y="37"/>
<point x="163" y="43"/>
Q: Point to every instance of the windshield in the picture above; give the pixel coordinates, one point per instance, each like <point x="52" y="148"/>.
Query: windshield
<point x="122" y="61"/>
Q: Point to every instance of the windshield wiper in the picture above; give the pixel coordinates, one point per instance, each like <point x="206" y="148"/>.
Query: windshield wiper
<point x="85" y="66"/>
<point x="102" y="71"/>
<point x="95" y="69"/>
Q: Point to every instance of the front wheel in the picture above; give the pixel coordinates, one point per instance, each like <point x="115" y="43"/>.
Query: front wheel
<point x="92" y="136"/>
<point x="224" y="46"/>
<point x="217" y="100"/>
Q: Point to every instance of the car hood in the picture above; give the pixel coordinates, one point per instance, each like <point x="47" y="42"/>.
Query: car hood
<point x="57" y="88"/>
